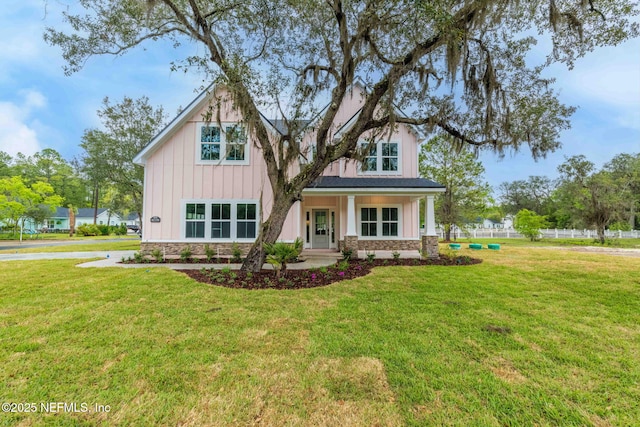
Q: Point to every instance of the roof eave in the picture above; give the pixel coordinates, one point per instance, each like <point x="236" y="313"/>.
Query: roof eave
<point x="373" y="190"/>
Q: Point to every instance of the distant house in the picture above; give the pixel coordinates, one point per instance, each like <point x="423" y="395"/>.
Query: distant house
<point x="205" y="184"/>
<point x="60" y="219"/>
<point x="490" y="224"/>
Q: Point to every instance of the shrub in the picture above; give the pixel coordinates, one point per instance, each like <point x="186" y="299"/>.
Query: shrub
<point x="209" y="252"/>
<point x="371" y="256"/>
<point x="281" y="253"/>
<point x="620" y="226"/>
<point x="104" y="229"/>
<point x="528" y="223"/>
<point x="139" y="257"/>
<point x="88" y="230"/>
<point x="186" y="254"/>
<point x="120" y="230"/>
<point x="343" y="265"/>
<point x="347" y="253"/>
<point x="396" y="255"/>
<point x="236" y="253"/>
<point x="157" y="254"/>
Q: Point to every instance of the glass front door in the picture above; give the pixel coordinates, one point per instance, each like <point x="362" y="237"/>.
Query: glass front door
<point x="321" y="231"/>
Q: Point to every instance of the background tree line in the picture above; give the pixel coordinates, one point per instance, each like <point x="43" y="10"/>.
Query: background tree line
<point x="102" y="176"/>
<point x="581" y="197"/>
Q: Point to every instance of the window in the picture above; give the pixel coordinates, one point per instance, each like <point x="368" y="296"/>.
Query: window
<point x="246" y="215"/>
<point x="389" y="221"/>
<point x="379" y="222"/>
<point x="210" y="143"/>
<point x="236" y="141"/>
<point x="222" y="220"/>
<point x="370" y="163"/>
<point x="224" y="144"/>
<point x="195" y="218"/>
<point x="382" y="158"/>
<point x="390" y="156"/>
<point x="368" y="222"/>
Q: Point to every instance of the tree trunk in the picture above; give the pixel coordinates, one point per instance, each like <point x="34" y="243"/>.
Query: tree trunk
<point x="601" y="233"/>
<point x="269" y="232"/>
<point x="447" y="232"/>
<point x="95" y="205"/>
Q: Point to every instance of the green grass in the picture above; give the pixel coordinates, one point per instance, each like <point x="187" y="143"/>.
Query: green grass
<point x="402" y="346"/>
<point x="123" y="245"/>
<point x="520" y="242"/>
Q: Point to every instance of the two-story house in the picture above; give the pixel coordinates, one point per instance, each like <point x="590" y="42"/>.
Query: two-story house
<point x="206" y="184"/>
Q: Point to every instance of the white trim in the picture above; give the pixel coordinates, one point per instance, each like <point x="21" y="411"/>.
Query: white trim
<point x="379" y="157"/>
<point x="429" y="216"/>
<point x="379" y="208"/>
<point x="180" y="120"/>
<point x="207" y="220"/>
<point x="177" y="123"/>
<point x="223" y="145"/>
<point x="352" y="222"/>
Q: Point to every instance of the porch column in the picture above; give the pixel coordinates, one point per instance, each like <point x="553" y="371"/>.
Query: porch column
<point x="351" y="238"/>
<point x="429" y="238"/>
<point x="351" y="216"/>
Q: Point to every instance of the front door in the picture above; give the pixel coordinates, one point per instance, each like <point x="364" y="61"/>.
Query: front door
<point x="320" y="229"/>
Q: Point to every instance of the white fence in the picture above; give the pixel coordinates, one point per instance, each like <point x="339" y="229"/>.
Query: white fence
<point x="545" y="233"/>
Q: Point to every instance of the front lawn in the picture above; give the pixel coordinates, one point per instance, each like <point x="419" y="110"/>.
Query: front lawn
<point x="80" y="246"/>
<point x="530" y="336"/>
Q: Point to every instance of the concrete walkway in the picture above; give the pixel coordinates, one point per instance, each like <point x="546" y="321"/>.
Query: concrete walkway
<point x="312" y="259"/>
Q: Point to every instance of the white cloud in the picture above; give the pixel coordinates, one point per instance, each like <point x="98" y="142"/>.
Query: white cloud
<point x="17" y="135"/>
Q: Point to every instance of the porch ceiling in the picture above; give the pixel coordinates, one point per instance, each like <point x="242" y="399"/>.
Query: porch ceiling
<point x="326" y="185"/>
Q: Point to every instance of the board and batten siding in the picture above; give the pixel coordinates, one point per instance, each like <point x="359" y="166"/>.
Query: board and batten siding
<point x="172" y="176"/>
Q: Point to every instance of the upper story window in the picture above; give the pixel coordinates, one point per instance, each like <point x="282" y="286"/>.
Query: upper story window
<point x="383" y="158"/>
<point x="225" y="144"/>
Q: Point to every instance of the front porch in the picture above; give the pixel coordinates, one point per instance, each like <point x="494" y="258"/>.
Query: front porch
<point x="369" y="214"/>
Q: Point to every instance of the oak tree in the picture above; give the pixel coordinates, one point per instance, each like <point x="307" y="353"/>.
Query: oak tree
<point x="458" y="66"/>
<point x="107" y="157"/>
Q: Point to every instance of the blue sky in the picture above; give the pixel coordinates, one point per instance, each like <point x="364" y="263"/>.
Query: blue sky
<point x="40" y="107"/>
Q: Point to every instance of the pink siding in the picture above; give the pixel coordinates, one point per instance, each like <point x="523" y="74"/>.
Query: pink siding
<point x="173" y="176"/>
<point x="403" y="135"/>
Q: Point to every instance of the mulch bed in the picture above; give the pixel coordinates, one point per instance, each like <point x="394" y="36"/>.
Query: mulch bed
<point x="312" y="278"/>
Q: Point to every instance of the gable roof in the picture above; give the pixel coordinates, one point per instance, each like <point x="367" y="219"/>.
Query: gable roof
<point x="276" y="126"/>
<point x="196" y="105"/>
<point x="61" y="213"/>
<point x="88" y="212"/>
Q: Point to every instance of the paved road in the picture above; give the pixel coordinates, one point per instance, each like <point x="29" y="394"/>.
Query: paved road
<point x="33" y="243"/>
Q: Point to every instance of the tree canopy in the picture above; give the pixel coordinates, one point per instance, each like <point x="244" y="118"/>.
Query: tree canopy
<point x="107" y="158"/>
<point x="19" y="201"/>
<point x="592" y="197"/>
<point x="467" y="194"/>
<point x="459" y="66"/>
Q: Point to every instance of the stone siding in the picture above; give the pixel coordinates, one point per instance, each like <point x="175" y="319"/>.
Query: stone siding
<point x="351" y="242"/>
<point x="385" y="245"/>
<point x="173" y="248"/>
<point x="389" y="245"/>
<point x="430" y="247"/>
